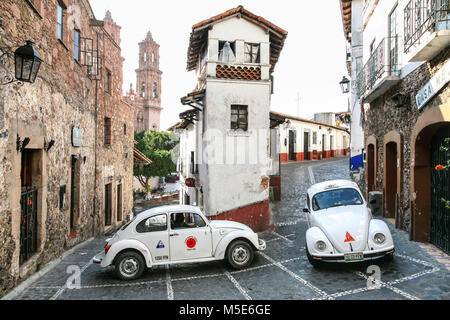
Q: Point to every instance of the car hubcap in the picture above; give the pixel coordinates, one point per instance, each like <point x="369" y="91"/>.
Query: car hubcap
<point x="240" y="255"/>
<point x="129" y="267"/>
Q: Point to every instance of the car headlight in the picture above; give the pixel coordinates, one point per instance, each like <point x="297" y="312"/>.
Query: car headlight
<point x="320" y="245"/>
<point x="379" y="238"/>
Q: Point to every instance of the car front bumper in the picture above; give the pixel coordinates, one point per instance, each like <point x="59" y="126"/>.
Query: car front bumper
<point x="368" y="255"/>
<point x="99" y="258"/>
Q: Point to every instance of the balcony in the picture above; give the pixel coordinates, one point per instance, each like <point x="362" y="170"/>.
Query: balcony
<point x="381" y="71"/>
<point x="427" y="28"/>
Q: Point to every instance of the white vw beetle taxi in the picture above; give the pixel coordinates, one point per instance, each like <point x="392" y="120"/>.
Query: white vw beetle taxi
<point x="177" y="234"/>
<point x="341" y="227"/>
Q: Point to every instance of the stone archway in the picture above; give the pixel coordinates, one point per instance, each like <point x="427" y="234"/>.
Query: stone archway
<point x="426" y="126"/>
<point x="371" y="163"/>
<point x="392" y="175"/>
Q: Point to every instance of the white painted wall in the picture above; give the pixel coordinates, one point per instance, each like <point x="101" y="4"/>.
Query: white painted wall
<point x="356" y="130"/>
<point x="301" y="127"/>
<point x="378" y="28"/>
<point x="232" y="164"/>
<point x="235" y="162"/>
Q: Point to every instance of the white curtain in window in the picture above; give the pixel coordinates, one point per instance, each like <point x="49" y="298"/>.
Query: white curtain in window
<point x="226" y="54"/>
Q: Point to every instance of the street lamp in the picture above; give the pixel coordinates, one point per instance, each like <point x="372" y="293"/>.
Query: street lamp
<point x="345" y="85"/>
<point x="27" y="63"/>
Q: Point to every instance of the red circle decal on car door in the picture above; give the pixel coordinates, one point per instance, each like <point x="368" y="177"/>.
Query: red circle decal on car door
<point x="191" y="242"/>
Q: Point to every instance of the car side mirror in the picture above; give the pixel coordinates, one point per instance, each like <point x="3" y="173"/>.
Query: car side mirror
<point x="305" y="210"/>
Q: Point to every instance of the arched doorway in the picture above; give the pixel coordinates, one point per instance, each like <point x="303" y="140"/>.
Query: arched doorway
<point x="371" y="163"/>
<point x="393" y="176"/>
<point x="440" y="189"/>
<point x="390" y="185"/>
<point x="424" y="139"/>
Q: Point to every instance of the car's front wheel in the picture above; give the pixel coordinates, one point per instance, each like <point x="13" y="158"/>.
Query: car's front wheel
<point x="240" y="254"/>
<point x="315" y="263"/>
<point x="129" y="265"/>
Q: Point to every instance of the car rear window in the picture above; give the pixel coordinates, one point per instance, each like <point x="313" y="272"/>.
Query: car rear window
<point x="336" y="198"/>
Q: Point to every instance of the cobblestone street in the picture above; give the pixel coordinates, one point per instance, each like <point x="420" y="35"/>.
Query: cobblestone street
<point x="282" y="271"/>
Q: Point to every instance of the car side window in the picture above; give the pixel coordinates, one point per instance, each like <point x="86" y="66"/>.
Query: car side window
<point x="186" y="220"/>
<point x="152" y="224"/>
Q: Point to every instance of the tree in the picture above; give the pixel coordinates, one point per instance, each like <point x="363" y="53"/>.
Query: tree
<point x="157" y="146"/>
<point x="445" y="167"/>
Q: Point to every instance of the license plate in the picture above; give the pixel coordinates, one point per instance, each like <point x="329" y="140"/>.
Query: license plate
<point x="354" y="256"/>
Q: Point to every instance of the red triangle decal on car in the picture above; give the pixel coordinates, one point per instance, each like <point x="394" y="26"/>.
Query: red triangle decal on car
<point x="348" y="238"/>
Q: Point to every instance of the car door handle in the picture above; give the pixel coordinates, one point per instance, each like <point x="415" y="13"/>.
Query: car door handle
<point x="174" y="234"/>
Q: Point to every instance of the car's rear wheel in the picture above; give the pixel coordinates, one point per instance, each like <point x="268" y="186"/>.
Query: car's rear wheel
<point x="239" y="254"/>
<point x="129" y="265"/>
<point x="315" y="263"/>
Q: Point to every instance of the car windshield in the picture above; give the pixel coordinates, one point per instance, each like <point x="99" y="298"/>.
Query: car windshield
<point x="336" y="198"/>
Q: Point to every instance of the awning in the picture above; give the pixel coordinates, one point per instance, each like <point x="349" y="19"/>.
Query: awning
<point x="140" y="158"/>
<point x="194" y="99"/>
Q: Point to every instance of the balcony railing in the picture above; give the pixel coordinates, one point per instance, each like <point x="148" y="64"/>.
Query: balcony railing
<point x="383" y="62"/>
<point x="422" y="16"/>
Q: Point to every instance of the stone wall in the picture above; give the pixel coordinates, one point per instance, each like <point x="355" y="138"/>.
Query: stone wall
<point x="383" y="117"/>
<point x="63" y="96"/>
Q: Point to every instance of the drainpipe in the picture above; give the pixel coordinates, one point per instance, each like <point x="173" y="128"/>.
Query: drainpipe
<point x="95" y="150"/>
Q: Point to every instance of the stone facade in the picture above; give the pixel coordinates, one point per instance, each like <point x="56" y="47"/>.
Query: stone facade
<point x="147" y="97"/>
<point x="67" y="178"/>
<point x="384" y="117"/>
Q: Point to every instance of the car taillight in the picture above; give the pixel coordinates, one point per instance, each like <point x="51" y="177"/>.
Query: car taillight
<point x="107" y="248"/>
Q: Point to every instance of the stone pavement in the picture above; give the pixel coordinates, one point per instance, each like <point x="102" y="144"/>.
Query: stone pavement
<point x="280" y="272"/>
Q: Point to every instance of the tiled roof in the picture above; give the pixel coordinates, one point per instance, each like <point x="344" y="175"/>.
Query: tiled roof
<point x="200" y="31"/>
<point x="346" y="12"/>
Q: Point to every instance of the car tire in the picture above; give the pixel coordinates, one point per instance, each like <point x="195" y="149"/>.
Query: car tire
<point x="239" y="254"/>
<point x="312" y="261"/>
<point x="129" y="265"/>
<point x="388" y="257"/>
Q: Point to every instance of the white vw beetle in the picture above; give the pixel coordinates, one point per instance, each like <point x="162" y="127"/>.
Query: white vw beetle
<point x="341" y="227"/>
<point x="150" y="240"/>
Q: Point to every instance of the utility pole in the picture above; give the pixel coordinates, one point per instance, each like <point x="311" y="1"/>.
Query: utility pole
<point x="298" y="103"/>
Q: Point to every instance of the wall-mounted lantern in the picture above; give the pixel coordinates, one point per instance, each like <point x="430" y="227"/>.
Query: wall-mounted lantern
<point x="27" y="63"/>
<point x="345" y="85"/>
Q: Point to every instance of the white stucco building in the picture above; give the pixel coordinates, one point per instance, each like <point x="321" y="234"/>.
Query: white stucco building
<point x="225" y="161"/>
<point x="352" y="16"/>
<point x="302" y="139"/>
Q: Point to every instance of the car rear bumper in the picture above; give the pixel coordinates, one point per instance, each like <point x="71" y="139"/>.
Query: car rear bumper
<point x="262" y="245"/>
<point x="99" y="258"/>
<point x="368" y="255"/>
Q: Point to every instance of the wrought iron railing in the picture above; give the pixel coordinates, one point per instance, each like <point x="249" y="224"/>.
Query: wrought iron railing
<point x="424" y="15"/>
<point x="28" y="224"/>
<point x="382" y="62"/>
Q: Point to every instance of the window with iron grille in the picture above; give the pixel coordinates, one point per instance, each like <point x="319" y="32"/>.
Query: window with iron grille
<point x="251" y="53"/>
<point x="107" y="131"/>
<point x="393" y="41"/>
<point x="239" y="117"/>
<point x="314" y="137"/>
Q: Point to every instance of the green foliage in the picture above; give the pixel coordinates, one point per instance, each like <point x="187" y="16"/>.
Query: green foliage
<point x="157" y="146"/>
<point x="445" y="167"/>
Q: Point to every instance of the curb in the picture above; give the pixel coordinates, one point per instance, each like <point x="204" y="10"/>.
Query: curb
<point x="49" y="266"/>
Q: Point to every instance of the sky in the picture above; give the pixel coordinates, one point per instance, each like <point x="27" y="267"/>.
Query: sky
<point x="311" y="64"/>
